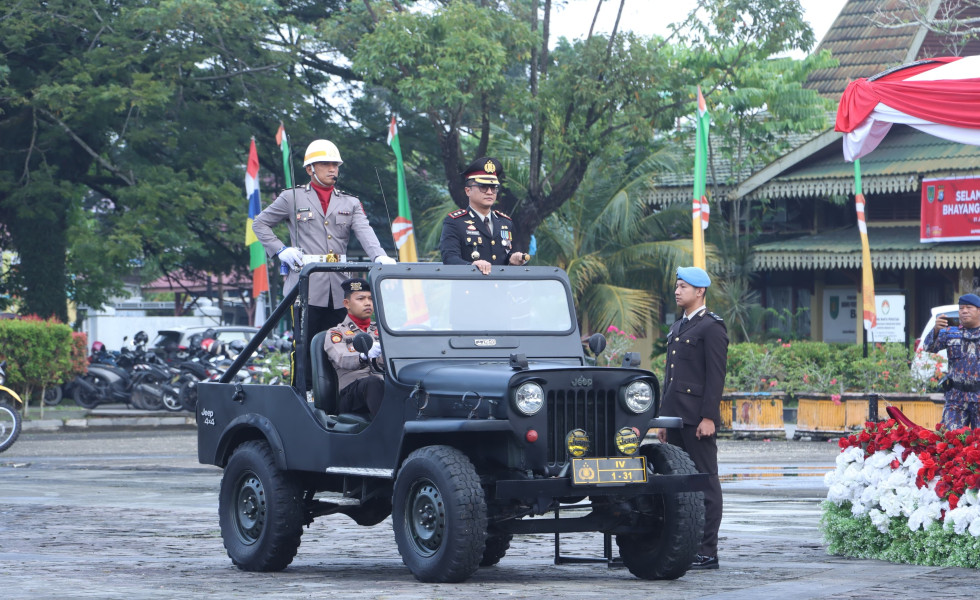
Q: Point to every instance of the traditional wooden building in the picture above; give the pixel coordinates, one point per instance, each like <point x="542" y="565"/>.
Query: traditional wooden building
<point x="811" y="256"/>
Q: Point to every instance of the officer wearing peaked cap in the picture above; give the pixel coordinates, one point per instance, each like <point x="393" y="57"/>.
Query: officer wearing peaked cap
<point x="477" y="234"/>
<point x="697" y="357"/>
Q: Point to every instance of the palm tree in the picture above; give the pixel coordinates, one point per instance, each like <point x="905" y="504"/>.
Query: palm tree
<point x="620" y="253"/>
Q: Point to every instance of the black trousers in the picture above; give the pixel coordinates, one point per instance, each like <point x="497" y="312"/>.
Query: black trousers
<point x="704" y="454"/>
<point x="363" y="396"/>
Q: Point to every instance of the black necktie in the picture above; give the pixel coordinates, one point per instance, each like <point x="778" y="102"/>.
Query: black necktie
<point x="486" y="221"/>
<point x="683" y="323"/>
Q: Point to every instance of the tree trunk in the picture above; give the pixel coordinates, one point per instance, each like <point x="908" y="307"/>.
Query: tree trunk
<point x="42" y="245"/>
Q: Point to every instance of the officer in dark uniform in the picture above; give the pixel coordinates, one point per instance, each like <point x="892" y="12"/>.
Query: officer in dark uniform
<point x="697" y="359"/>
<point x="478" y="235"/>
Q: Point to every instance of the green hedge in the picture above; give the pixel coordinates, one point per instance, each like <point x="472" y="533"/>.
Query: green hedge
<point x="38" y="353"/>
<point x="857" y="537"/>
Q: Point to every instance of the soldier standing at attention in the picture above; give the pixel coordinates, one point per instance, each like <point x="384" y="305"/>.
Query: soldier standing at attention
<point x="321" y="218"/>
<point x="697" y="359"/>
<point x="478" y="235"/>
<point x="962" y="382"/>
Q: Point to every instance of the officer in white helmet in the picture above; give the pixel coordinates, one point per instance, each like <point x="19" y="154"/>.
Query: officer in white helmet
<point x="321" y="218"/>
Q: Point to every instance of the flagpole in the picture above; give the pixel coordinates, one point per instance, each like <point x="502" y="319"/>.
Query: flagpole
<point x="869" y="316"/>
<point x="700" y="180"/>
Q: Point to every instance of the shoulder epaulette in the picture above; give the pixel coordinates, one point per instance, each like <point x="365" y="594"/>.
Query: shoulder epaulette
<point x="346" y="193"/>
<point x="459" y="212"/>
<point x="715" y="317"/>
<point x="502" y="214"/>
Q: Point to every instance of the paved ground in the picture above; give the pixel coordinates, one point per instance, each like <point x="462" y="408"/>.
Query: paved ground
<point x="114" y="514"/>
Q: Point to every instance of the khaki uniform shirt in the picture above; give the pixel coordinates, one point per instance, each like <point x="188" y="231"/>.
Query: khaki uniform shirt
<point x="339" y="346"/>
<point x="317" y="233"/>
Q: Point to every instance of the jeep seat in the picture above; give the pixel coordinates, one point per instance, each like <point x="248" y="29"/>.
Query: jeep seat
<point x="325" y="392"/>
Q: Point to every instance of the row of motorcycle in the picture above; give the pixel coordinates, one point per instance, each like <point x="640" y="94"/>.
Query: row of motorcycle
<point x="148" y="380"/>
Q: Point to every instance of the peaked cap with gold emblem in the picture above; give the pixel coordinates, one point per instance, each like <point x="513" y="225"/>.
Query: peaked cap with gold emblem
<point x="484" y="170"/>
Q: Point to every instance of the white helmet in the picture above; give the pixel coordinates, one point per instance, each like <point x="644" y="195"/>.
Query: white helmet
<point x="321" y="151"/>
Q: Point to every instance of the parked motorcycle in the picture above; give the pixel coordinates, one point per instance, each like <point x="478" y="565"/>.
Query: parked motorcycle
<point x="138" y="378"/>
<point x="10" y="410"/>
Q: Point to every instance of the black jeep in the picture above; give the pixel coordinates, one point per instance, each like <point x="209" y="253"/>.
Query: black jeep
<point x="492" y="416"/>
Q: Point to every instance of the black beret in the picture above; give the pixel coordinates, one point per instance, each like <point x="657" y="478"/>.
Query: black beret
<point x="355" y="284"/>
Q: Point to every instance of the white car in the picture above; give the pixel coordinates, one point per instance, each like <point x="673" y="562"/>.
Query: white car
<point x="926" y="365"/>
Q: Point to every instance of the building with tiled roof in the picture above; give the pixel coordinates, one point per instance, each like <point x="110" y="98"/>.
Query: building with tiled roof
<point x="819" y="252"/>
<point x="811" y="247"/>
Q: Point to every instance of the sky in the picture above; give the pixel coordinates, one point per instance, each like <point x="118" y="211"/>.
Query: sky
<point x="649" y="17"/>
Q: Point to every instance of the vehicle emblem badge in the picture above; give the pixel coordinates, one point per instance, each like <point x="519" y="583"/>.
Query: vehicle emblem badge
<point x="582" y="381"/>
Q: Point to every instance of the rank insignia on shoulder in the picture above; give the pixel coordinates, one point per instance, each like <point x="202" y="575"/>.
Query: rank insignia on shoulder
<point x="335" y="337"/>
<point x="350" y="333"/>
<point x="459" y="212"/>
<point x="502" y="214"/>
<point x="715" y="317"/>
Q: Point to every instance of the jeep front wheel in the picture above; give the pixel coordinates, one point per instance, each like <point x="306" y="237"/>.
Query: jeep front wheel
<point x="439" y="515"/>
<point x="672" y="524"/>
<point x="260" y="509"/>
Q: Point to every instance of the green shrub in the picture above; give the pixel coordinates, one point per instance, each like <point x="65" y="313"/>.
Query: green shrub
<point x="38" y="353"/>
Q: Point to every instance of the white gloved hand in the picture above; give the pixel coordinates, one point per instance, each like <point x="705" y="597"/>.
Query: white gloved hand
<point x="291" y="257"/>
<point x="375" y="351"/>
<point x="385" y="260"/>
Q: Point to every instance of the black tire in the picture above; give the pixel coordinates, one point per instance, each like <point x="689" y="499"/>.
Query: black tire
<point x="86" y="398"/>
<point x="497" y="547"/>
<point x="260" y="510"/>
<point x="53" y="395"/>
<point x="439" y="514"/>
<point x="171" y="398"/>
<point x="188" y="394"/>
<point x="10" y="421"/>
<point x="672" y="524"/>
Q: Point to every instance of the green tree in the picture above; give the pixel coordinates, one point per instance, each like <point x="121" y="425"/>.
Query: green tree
<point x="123" y="134"/>
<point x="619" y="253"/>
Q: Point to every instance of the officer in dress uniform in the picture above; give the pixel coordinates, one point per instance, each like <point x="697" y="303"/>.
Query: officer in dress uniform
<point x="962" y="382"/>
<point x="697" y="358"/>
<point x="321" y="219"/>
<point x="478" y="235"/>
<point x="361" y="389"/>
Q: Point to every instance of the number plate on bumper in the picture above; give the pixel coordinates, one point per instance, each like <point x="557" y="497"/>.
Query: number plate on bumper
<point x="609" y="471"/>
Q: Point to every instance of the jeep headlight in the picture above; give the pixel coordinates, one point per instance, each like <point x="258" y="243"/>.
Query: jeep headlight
<point x="638" y="397"/>
<point x="529" y="398"/>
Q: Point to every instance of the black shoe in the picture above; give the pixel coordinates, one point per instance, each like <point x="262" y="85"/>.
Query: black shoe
<point x="703" y="563"/>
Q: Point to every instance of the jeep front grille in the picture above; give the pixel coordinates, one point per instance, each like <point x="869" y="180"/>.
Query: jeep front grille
<point x="591" y="410"/>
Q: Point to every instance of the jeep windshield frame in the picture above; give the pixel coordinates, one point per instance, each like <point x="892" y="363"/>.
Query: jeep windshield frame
<point x="439" y="304"/>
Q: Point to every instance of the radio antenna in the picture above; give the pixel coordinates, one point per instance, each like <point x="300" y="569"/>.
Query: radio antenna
<point x="385" y="201"/>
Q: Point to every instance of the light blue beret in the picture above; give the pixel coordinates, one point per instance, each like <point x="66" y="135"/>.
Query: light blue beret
<point x="696" y="276"/>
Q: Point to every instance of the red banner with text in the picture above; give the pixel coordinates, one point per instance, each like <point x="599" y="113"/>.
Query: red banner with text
<point x="950" y="210"/>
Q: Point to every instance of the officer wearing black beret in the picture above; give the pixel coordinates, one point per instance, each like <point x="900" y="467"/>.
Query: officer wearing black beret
<point x="361" y="389"/>
<point x="479" y="235"/>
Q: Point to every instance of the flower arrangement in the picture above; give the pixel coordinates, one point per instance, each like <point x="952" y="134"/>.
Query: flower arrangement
<point x="906" y="494"/>
<point x="618" y="343"/>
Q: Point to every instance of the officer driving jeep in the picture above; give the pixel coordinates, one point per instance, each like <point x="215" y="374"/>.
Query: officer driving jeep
<point x="361" y="388"/>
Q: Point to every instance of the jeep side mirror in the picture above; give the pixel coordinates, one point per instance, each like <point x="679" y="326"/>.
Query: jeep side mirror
<point x="631" y="359"/>
<point x="597" y="343"/>
<point x="363" y="342"/>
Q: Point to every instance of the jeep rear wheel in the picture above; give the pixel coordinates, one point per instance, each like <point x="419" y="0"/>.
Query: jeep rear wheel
<point x="439" y="515"/>
<point x="260" y="509"/>
<point x="497" y="546"/>
<point x="672" y="523"/>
